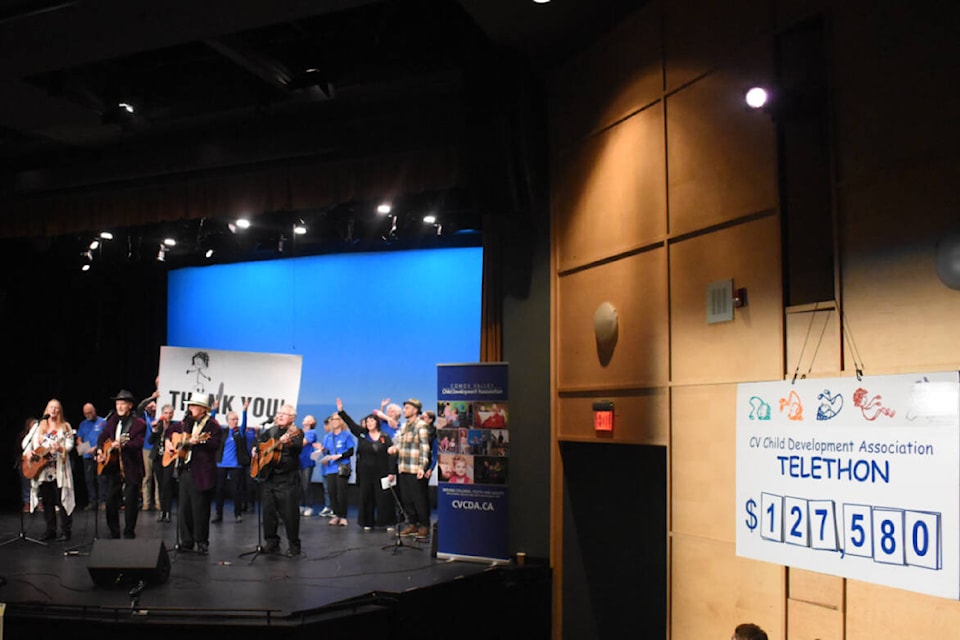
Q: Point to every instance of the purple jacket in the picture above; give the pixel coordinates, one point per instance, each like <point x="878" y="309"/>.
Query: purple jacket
<point x="203" y="456"/>
<point x="131" y="453"/>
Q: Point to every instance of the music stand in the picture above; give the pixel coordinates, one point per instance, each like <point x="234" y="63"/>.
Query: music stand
<point x="401" y="517"/>
<point x="258" y="498"/>
<point x="22" y="536"/>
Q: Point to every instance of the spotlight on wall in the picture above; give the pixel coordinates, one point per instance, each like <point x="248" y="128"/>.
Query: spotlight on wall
<point x="757" y="97"/>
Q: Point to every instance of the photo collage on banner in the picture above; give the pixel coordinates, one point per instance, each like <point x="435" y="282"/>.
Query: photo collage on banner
<point x="473" y="446"/>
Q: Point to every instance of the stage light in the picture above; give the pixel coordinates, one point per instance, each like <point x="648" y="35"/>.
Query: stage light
<point x="299" y="229"/>
<point x="85" y="267"/>
<point x="429" y="219"/>
<point x="208" y="254"/>
<point x="243" y="223"/>
<point x="170" y="242"/>
<point x="162" y="253"/>
<point x="384" y="208"/>
<point x="94" y="245"/>
<point x="281" y="244"/>
<point x="756" y="97"/>
<point x="106" y="235"/>
<point x="126" y="107"/>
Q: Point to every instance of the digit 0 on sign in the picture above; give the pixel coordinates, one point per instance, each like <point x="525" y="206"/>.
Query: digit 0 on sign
<point x="922" y="544"/>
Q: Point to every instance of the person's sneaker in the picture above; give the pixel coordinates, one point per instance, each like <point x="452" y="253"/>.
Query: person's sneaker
<point x="343" y="522"/>
<point x="326" y="512"/>
<point x="293" y="551"/>
<point x="307" y="513"/>
<point x="334" y="521"/>
<point x="272" y="548"/>
<point x="203" y="548"/>
<point x="409" y="530"/>
<point x="423" y="532"/>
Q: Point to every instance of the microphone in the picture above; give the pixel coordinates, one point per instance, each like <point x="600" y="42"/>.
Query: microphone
<point x="266" y="422"/>
<point x="45" y="416"/>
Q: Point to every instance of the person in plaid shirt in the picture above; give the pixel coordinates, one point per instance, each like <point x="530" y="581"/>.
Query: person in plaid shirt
<point x="412" y="446"/>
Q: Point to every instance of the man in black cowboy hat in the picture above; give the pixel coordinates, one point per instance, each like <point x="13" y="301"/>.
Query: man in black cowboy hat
<point x="123" y="435"/>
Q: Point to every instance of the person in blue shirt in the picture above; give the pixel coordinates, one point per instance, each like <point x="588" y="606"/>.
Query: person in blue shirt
<point x="233" y="456"/>
<point x="337" y="450"/>
<point x="87" y="434"/>
<point x="307" y="463"/>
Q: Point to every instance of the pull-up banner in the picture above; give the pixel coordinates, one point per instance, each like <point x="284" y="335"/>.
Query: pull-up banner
<point x="473" y="443"/>
<point x="854" y="478"/>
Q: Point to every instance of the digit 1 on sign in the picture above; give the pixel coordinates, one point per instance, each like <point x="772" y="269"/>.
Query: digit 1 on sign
<point x="603" y="417"/>
<point x="771" y="517"/>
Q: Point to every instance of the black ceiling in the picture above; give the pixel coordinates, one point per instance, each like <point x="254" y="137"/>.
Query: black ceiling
<point x="203" y="76"/>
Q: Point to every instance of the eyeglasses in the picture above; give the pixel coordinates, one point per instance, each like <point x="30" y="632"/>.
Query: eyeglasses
<point x="284" y="413"/>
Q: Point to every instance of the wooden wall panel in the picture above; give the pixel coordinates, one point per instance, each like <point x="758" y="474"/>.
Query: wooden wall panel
<point x="611" y="80"/>
<point x="703" y="461"/>
<point x="816" y="588"/>
<point x="637" y="287"/>
<point x="712" y="590"/>
<point x="900" y="314"/>
<point x="703" y="34"/>
<point x="610" y="196"/>
<point x="894" y="76"/>
<point x="813" y="343"/>
<point x="640" y="417"/>
<point x="751" y="346"/>
<point x="721" y="156"/>
<point x="876" y="612"/>
<point x="813" y="622"/>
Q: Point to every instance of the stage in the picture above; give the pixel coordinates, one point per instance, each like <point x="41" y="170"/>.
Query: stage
<point x="346" y="578"/>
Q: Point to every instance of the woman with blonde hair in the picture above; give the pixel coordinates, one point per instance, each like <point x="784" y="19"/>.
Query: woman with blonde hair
<point x="49" y="443"/>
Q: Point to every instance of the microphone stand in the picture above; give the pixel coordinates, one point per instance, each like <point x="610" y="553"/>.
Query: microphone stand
<point x="258" y="498"/>
<point x="401" y="517"/>
<point x="75" y="551"/>
<point x="22" y="536"/>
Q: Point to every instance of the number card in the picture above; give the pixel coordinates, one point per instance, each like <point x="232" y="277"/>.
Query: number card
<point x="797" y="522"/>
<point x="771" y="517"/>
<point x="857" y="530"/>
<point x="823" y="525"/>
<point x="888" y="536"/>
<point x="923" y="536"/>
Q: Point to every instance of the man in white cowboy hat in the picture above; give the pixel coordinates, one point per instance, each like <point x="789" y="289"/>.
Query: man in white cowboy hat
<point x="125" y="433"/>
<point x="197" y="472"/>
<point x="412" y="445"/>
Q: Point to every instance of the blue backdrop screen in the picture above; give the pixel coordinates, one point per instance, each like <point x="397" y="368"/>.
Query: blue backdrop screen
<point x="368" y="326"/>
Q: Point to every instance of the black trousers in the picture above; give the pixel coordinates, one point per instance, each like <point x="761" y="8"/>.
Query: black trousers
<point x="50" y="494"/>
<point x="376" y="505"/>
<point x="280" y="502"/>
<point x="337" y="490"/>
<point x="129" y="494"/>
<point x="414" y="499"/>
<point x="229" y="478"/>
<point x="167" y="484"/>
<point x="194" y="511"/>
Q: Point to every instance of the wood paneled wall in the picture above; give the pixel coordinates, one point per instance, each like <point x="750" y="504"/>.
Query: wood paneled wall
<point x="664" y="182"/>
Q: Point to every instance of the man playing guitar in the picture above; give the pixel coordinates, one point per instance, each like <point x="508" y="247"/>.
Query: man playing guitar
<point x="124" y="433"/>
<point x="281" y="480"/>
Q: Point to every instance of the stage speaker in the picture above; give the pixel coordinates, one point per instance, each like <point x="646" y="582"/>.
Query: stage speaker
<point x="118" y="563"/>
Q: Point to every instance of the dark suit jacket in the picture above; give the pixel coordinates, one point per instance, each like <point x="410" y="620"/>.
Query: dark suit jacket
<point x="203" y="456"/>
<point x="131" y="453"/>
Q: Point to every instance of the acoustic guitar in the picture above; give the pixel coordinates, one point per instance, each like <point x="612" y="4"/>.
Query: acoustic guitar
<point x="268" y="454"/>
<point x="179" y="440"/>
<point x="37" y="460"/>
<point x="110" y="456"/>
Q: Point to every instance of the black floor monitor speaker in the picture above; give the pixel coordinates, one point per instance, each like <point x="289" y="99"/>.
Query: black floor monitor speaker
<point x="117" y="563"/>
